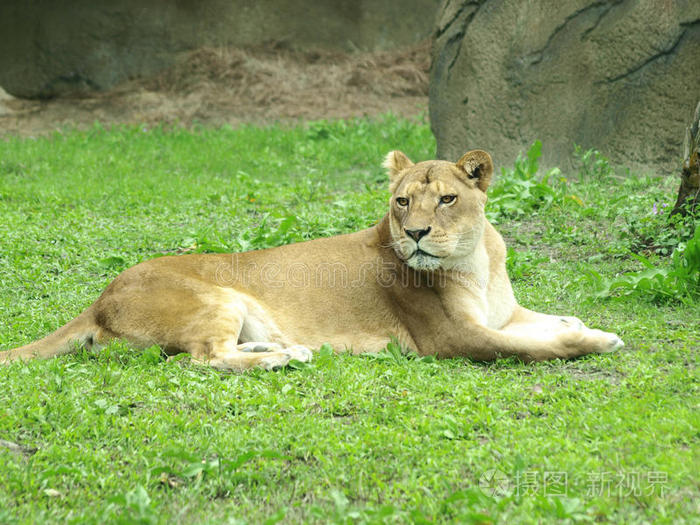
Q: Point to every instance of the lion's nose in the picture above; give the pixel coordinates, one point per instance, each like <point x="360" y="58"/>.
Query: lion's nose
<point x="417" y="235"/>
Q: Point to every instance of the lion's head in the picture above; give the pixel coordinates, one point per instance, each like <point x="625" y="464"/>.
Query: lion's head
<point x="437" y="208"/>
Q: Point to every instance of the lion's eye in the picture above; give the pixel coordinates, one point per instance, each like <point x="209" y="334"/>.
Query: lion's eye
<point x="402" y="201"/>
<point x="447" y="199"/>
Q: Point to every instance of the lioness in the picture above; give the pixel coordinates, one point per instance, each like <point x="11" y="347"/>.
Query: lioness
<point x="431" y="273"/>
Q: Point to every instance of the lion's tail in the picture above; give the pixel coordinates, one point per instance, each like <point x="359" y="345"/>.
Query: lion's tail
<point x="81" y="331"/>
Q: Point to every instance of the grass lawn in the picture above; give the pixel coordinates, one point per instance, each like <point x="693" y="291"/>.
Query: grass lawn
<point x="125" y="437"/>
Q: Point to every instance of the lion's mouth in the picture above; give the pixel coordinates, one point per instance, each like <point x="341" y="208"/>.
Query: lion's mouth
<point x="423" y="252"/>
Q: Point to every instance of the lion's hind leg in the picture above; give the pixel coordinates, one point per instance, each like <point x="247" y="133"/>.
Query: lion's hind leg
<point x="211" y="323"/>
<point x="235" y="321"/>
<point x="270" y="356"/>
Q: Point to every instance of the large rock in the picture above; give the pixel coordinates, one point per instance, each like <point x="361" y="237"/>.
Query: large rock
<point x="621" y="76"/>
<point x="49" y="48"/>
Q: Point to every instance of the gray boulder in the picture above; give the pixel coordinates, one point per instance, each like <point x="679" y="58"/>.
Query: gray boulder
<point x="621" y="76"/>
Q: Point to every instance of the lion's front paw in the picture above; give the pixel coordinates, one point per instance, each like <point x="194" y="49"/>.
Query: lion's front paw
<point x="609" y="341"/>
<point x="574" y="343"/>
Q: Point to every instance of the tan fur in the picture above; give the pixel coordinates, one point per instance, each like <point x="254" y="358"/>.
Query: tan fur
<point x="263" y="308"/>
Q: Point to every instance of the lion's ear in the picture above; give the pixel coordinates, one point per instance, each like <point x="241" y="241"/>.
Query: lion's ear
<point x="395" y="162"/>
<point x="477" y="166"/>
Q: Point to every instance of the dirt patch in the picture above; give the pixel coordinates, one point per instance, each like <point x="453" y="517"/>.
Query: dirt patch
<point x="216" y="86"/>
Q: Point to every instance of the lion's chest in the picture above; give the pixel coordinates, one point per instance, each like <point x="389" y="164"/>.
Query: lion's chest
<point x="476" y="294"/>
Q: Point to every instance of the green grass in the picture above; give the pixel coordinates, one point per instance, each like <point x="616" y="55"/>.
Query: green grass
<point x="126" y="437"/>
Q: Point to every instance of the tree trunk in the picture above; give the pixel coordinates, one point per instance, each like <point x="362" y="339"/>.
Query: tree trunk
<point x="690" y="174"/>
